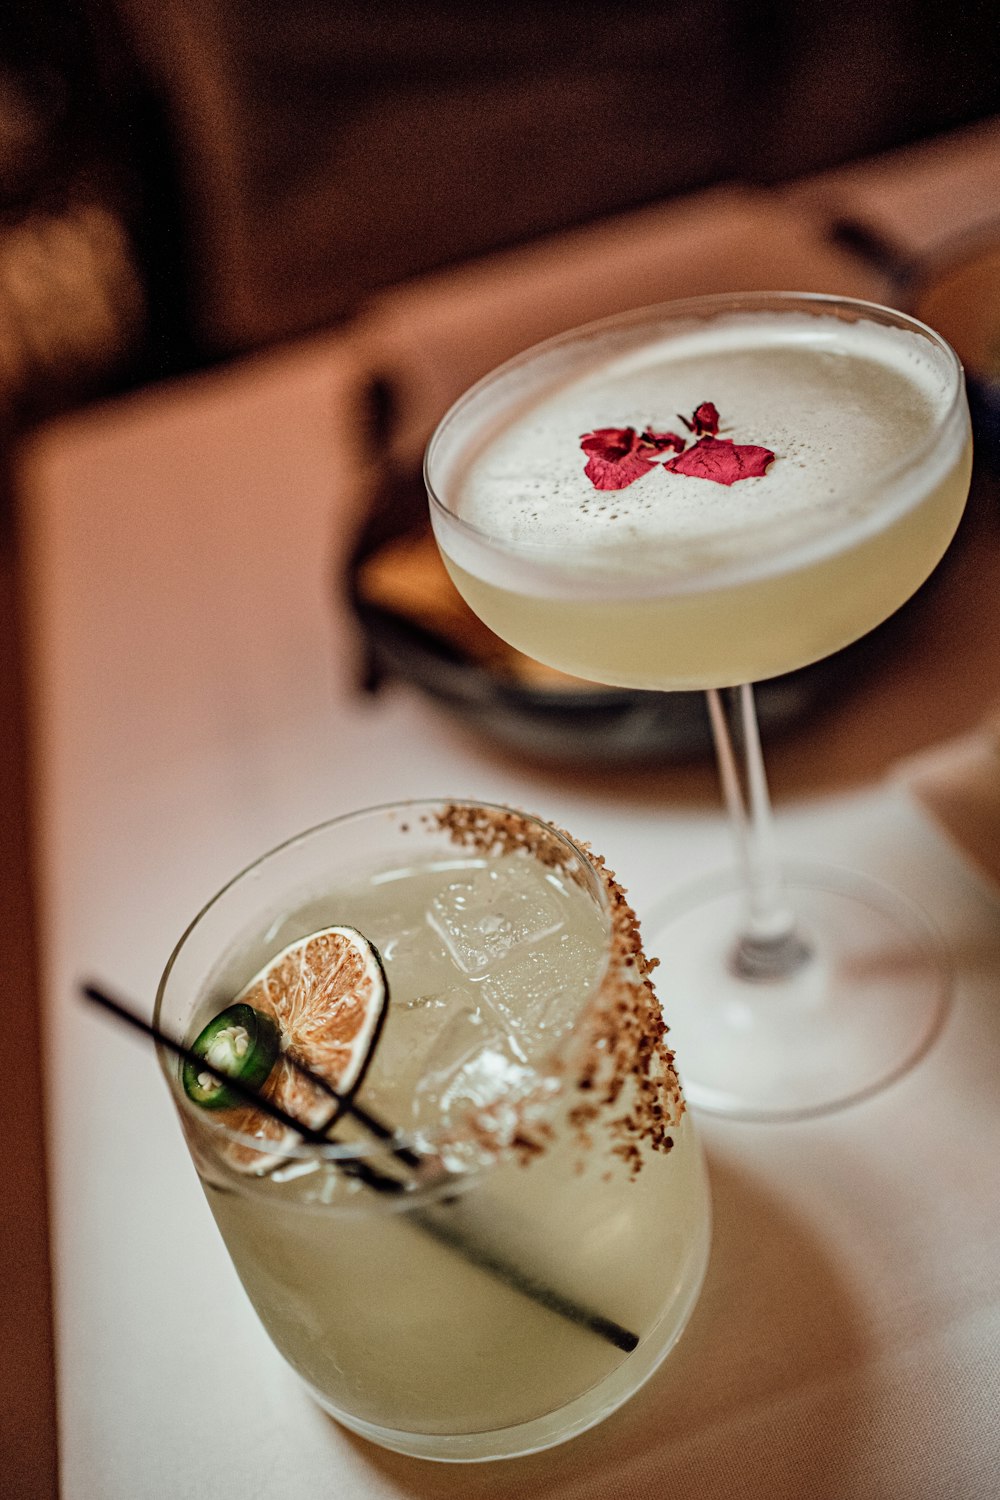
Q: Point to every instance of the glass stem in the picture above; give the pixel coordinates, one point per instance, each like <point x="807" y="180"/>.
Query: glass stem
<point x="769" y="945"/>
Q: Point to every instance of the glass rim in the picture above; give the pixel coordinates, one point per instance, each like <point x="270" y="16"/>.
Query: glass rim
<point x="707" y="306"/>
<point x="354" y="1150"/>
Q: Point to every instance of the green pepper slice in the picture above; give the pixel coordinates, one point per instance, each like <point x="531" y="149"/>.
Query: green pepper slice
<point x="239" y="1041"/>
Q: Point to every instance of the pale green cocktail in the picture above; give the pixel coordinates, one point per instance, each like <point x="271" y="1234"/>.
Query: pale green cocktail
<point x="559" y="1211"/>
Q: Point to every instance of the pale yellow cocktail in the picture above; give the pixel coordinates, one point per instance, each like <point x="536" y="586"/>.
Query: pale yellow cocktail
<point x="680" y="582"/>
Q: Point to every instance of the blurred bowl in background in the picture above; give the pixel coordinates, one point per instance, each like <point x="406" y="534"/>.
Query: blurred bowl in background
<point x="958" y="293"/>
<point x="955" y="289"/>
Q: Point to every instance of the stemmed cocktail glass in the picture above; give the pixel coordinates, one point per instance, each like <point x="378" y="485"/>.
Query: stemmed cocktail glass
<point x="703" y="495"/>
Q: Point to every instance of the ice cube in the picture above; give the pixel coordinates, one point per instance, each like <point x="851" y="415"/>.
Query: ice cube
<point x="408" y="953"/>
<point x="414" y="1030"/>
<point x="541" y="989"/>
<point x="464" y="1034"/>
<point x="484" y="918"/>
<point x="403" y="943"/>
<point x="486" y="1073"/>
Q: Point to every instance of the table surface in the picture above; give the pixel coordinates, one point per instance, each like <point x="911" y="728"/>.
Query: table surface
<point x="194" y="703"/>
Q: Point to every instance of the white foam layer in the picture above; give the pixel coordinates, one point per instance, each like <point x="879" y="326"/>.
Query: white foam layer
<point x="838" y="403"/>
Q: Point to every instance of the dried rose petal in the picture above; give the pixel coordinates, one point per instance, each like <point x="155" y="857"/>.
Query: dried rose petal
<point x="661" y="442"/>
<point x="704" y="420"/>
<point x="605" y="474"/>
<point x="616" y="457"/>
<point x="611" y="443"/>
<point x="721" y="460"/>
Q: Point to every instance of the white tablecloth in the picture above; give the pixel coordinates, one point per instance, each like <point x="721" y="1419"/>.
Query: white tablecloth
<point x="194" y="704"/>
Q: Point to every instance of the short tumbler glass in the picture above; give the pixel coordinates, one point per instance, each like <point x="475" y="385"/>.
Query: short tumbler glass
<point x="548" y="1248"/>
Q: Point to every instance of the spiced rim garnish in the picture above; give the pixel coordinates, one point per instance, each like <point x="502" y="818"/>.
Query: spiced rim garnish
<point x="618" y="456"/>
<point x="619" y="1063"/>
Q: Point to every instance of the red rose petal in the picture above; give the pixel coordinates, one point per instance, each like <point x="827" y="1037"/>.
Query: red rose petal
<point x="618" y="456"/>
<point x="704" y="420"/>
<point x="661" y="442"/>
<point x="721" y="460"/>
<point x="612" y="443"/>
<point x="607" y="474"/>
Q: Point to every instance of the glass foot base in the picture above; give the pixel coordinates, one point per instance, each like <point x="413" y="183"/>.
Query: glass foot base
<point x="863" y="1001"/>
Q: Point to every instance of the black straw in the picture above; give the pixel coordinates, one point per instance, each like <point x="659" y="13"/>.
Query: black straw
<point x="248" y="1095"/>
<point x="446" y="1234"/>
<point x="522" y="1281"/>
<point x="316" y="1135"/>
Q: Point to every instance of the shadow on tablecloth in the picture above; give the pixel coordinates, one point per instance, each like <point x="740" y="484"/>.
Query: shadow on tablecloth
<point x="722" y="1417"/>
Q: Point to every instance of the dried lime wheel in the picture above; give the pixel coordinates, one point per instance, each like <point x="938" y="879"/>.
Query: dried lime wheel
<point x="323" y="1000"/>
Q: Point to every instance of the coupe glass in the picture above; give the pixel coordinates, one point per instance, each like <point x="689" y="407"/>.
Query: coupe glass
<point x="792" y="990"/>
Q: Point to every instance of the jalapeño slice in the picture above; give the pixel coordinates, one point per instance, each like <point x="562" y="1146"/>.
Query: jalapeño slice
<point x="239" y="1041"/>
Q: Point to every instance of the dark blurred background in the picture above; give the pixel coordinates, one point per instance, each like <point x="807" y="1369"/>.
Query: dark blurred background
<point x="184" y="179"/>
